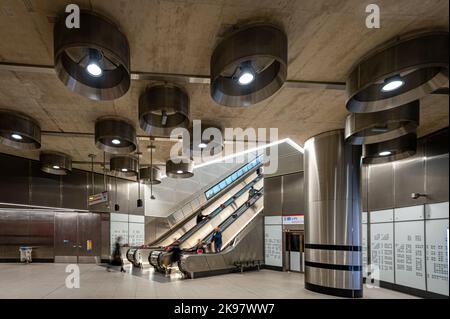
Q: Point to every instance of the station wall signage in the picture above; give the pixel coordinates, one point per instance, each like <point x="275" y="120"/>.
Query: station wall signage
<point x="297" y="219"/>
<point x="98" y="198"/>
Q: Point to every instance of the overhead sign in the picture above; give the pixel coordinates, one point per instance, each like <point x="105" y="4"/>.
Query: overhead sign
<point x="294" y="219"/>
<point x="98" y="198"/>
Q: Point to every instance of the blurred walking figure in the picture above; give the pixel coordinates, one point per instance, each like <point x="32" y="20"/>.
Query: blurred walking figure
<point x="217" y="239"/>
<point x="117" y="255"/>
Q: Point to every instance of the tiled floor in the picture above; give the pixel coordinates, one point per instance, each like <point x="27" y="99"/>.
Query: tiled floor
<point x="48" y="281"/>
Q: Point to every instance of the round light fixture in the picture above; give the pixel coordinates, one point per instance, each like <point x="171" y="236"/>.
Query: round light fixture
<point x="115" y="135"/>
<point x="399" y="72"/>
<point x="163" y="108"/>
<point x="151" y="175"/>
<point x="376" y="127"/>
<point x="392" y="84"/>
<point x="94" y="59"/>
<point x="202" y="145"/>
<point x="180" y="168"/>
<point x="249" y="65"/>
<point x="55" y="163"/>
<point x="392" y="150"/>
<point x="124" y="165"/>
<point x="17" y="136"/>
<point x="19" y="131"/>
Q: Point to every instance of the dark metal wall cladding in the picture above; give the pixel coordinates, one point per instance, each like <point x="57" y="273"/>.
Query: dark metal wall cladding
<point x="45" y="188"/>
<point x="74" y="190"/>
<point x="390" y="185"/>
<point x="273" y="196"/>
<point x="293" y="194"/>
<point x="14" y="179"/>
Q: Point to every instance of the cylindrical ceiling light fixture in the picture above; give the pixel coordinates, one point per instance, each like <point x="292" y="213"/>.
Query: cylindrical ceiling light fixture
<point x="115" y="135"/>
<point x="163" y="108"/>
<point x="249" y="65"/>
<point x="389" y="151"/>
<point x="55" y="163"/>
<point x="180" y="168"/>
<point x="206" y="135"/>
<point x="19" y="131"/>
<point x="401" y="72"/>
<point x="124" y="165"/>
<point x="151" y="175"/>
<point x="94" y="59"/>
<point x="376" y="127"/>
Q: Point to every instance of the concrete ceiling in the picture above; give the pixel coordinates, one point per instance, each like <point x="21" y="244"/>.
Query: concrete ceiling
<point x="326" y="37"/>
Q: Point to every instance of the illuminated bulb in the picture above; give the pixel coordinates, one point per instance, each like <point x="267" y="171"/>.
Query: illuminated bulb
<point x="124" y="170"/>
<point x="115" y="141"/>
<point x="246" y="78"/>
<point x="94" y="70"/>
<point x="56" y="167"/>
<point x="180" y="172"/>
<point x="385" y="153"/>
<point x="202" y="145"/>
<point x="16" y="136"/>
<point x="392" y="84"/>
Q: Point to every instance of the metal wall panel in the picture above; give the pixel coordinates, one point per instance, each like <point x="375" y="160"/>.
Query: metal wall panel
<point x="436" y="178"/>
<point x="272" y="196"/>
<point x="121" y="197"/>
<point x="381" y="186"/>
<point x="74" y="190"/>
<point x="41" y="234"/>
<point x="14" y="180"/>
<point x="45" y="188"/>
<point x="88" y="230"/>
<point x="66" y="239"/>
<point x="409" y="177"/>
<point x="133" y="197"/>
<point x="105" y="236"/>
<point x="364" y="187"/>
<point x="293" y="194"/>
<point x="13" y="233"/>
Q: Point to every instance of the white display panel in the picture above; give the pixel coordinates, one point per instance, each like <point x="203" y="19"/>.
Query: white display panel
<point x="273" y="245"/>
<point x="136" y="235"/>
<point x="382" y="246"/>
<point x="130" y="227"/>
<point x="439" y="210"/>
<point x="382" y="216"/>
<point x="437" y="256"/>
<point x="294" y="261"/>
<point x="118" y="229"/>
<point x="364" y="249"/>
<point x="410" y="254"/>
<point x="409" y="213"/>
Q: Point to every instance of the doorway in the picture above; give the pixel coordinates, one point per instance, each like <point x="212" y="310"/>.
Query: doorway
<point x="77" y="237"/>
<point x="294" y="253"/>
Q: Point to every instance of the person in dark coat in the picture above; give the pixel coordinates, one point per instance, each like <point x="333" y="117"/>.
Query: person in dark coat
<point x="200" y="216"/>
<point x="117" y="255"/>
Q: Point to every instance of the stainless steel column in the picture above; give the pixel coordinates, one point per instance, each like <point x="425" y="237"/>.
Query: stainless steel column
<point x="332" y="217"/>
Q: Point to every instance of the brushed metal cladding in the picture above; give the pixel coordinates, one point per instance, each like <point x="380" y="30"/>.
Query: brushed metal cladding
<point x="409" y="177"/>
<point x="105" y="252"/>
<point x="45" y="188"/>
<point x="333" y="215"/>
<point x="436" y="167"/>
<point x="14" y="180"/>
<point x="339" y="279"/>
<point x="364" y="187"/>
<point x="74" y="190"/>
<point x="88" y="230"/>
<point x="380" y="186"/>
<point x="293" y="194"/>
<point x="21" y="124"/>
<point x="66" y="239"/>
<point x="41" y="234"/>
<point x="273" y="196"/>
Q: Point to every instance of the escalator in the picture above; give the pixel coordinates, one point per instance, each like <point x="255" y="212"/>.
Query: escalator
<point x="217" y="209"/>
<point x="242" y="244"/>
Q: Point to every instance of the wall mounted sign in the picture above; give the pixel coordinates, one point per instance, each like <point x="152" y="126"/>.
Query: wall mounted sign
<point x="298" y="219"/>
<point x="98" y="198"/>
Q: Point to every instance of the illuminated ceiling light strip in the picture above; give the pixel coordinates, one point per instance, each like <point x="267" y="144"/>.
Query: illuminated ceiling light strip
<point x="258" y="148"/>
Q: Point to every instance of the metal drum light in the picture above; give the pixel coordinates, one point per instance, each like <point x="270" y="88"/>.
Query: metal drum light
<point x="389" y="151"/>
<point x="124" y="165"/>
<point x="369" y="128"/>
<point x="55" y="163"/>
<point x="181" y="168"/>
<point x="19" y="131"/>
<point x="249" y="65"/>
<point x="163" y="108"/>
<point x="151" y="175"/>
<point x="94" y="59"/>
<point x="115" y="135"/>
<point x="403" y="71"/>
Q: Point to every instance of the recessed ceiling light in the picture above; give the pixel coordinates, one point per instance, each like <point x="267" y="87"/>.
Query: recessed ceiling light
<point x="115" y="141"/>
<point x="202" y="145"/>
<point x="179" y="172"/>
<point x="124" y="170"/>
<point x="16" y="136"/>
<point x="385" y="153"/>
<point x="246" y="78"/>
<point x="392" y="84"/>
<point x="56" y="167"/>
<point x="94" y="70"/>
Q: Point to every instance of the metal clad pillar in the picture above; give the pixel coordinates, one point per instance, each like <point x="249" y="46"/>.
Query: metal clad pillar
<point x="333" y="218"/>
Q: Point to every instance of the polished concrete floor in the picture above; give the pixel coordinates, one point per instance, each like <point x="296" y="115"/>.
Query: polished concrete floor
<point x="48" y="281"/>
